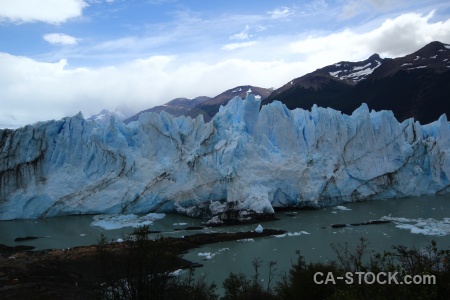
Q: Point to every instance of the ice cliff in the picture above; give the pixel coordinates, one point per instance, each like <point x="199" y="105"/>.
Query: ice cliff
<point x="243" y="163"/>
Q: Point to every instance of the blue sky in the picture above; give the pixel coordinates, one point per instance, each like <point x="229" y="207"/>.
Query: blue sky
<point x="58" y="57"/>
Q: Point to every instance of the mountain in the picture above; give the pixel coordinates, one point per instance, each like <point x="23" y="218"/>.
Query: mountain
<point x="104" y="116"/>
<point x="242" y="164"/>
<point x="177" y="107"/>
<point x="210" y="107"/>
<point x="205" y="106"/>
<point x="414" y="86"/>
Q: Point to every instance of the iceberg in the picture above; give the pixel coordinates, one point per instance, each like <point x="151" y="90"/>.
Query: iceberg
<point x="245" y="162"/>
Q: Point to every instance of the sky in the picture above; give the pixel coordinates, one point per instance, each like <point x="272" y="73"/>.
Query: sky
<point x="60" y="57"/>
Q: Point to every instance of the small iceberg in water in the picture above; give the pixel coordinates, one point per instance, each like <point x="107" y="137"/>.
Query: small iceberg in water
<point x="259" y="229"/>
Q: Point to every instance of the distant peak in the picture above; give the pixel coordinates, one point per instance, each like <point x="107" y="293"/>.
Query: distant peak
<point x="374" y="56"/>
<point x="431" y="48"/>
<point x="435" y="44"/>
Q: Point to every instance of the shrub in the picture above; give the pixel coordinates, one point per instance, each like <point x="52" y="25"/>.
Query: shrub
<point x="140" y="268"/>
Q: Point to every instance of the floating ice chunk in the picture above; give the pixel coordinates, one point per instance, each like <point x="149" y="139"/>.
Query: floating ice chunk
<point x="259" y="229"/>
<point x="341" y="207"/>
<point x="246" y="240"/>
<point x="294" y="233"/>
<point x="422" y="226"/>
<point x="82" y="234"/>
<point x="291" y="234"/>
<point x="119" y="240"/>
<point x="206" y="255"/>
<point x="155" y="216"/>
<point x="179" y="224"/>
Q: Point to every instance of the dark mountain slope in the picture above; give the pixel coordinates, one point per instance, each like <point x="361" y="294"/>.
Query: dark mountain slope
<point x="420" y="94"/>
<point x="416" y="85"/>
<point x="176" y="107"/>
<point x="210" y="107"/>
<point x="203" y="105"/>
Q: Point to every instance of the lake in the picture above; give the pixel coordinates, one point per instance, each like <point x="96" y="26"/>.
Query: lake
<point x="415" y="221"/>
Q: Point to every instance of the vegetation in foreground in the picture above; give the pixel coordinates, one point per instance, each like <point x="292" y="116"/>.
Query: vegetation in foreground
<point x="144" y="274"/>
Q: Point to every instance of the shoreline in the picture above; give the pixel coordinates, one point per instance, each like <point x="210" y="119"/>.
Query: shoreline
<point x="75" y="273"/>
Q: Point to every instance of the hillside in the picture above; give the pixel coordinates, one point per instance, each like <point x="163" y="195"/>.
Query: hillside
<point x="414" y="86"/>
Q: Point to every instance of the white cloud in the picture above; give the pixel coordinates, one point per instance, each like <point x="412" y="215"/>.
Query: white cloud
<point x="60" y="39"/>
<point x="31" y="90"/>
<point x="394" y="37"/>
<point x="407" y="33"/>
<point x="48" y="11"/>
<point x="234" y="46"/>
<point x="279" y="13"/>
<point x="34" y="91"/>
<point x="243" y="35"/>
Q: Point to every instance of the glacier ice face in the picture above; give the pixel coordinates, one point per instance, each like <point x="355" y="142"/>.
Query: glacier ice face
<point x="246" y="161"/>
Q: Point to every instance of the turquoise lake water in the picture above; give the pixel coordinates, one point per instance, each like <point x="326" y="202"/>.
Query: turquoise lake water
<point x="415" y="221"/>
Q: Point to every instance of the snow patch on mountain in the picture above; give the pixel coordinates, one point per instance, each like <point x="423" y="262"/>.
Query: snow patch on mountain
<point x="357" y="73"/>
<point x="361" y="67"/>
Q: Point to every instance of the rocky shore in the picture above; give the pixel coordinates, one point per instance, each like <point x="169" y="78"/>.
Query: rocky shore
<point x="76" y="273"/>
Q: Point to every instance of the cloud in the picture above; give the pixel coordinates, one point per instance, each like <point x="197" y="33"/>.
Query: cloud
<point x="352" y="8"/>
<point x="406" y="33"/>
<point x="47" y="11"/>
<point x="60" y="39"/>
<point x="394" y="37"/>
<point x="234" y="46"/>
<point x="243" y="35"/>
<point x="35" y="91"/>
<point x="32" y="90"/>
<point x="279" y="13"/>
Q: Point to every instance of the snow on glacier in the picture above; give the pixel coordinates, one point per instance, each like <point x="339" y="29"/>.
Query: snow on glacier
<point x="247" y="160"/>
<point x="117" y="221"/>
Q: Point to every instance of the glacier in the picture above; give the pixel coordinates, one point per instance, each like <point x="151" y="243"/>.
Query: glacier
<point x="242" y="164"/>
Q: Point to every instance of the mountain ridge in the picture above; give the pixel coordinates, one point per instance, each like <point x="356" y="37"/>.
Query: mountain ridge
<point x="412" y="86"/>
<point x="176" y="107"/>
<point x="203" y="105"/>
